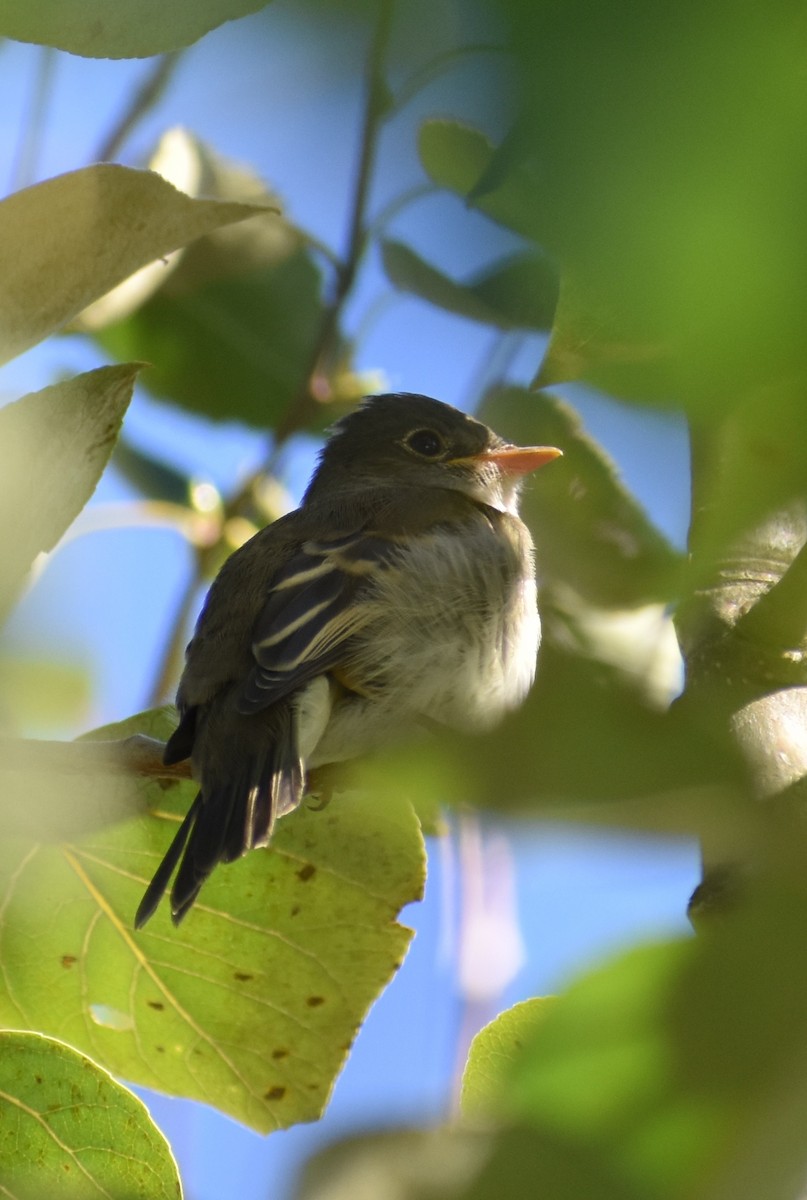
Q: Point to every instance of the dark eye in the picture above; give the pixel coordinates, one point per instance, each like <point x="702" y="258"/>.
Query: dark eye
<point x="425" y="442"/>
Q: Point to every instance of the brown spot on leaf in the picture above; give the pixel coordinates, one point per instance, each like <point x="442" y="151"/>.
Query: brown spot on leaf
<point x="68" y="960"/>
<point x="280" y="1053"/>
<point x="315" y="1001"/>
<point x="160" y="1049"/>
<point x="242" y="976"/>
<point x="295" y="910"/>
<point x="156" y="1004"/>
<point x="306" y="872"/>
<point x="275" y="1093"/>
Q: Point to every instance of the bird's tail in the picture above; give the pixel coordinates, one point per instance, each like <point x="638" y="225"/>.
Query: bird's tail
<point x="259" y="777"/>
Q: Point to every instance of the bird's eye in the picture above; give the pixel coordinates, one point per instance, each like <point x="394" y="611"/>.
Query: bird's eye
<point x="425" y="442"/>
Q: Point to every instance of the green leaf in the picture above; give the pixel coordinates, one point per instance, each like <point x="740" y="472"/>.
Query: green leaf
<point x="54" y="445"/>
<point x="107" y="29"/>
<point x="231" y="329"/>
<point x="68" y="1129"/>
<point x="456" y="156"/>
<point x="233" y="348"/>
<point x="152" y="477"/>
<point x="83" y="233"/>
<point x="518" y="293"/>
<point x="685" y="1060"/>
<point x="591" y="533"/>
<point x="253" y="1003"/>
<point x="493" y="1052"/>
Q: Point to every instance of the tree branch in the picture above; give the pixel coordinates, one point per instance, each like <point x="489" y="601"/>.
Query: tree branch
<point x="137" y="755"/>
<point x="143" y="100"/>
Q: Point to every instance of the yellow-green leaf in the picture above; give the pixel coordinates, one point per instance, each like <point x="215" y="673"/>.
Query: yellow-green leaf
<point x="68" y="1129"/>
<point x="54" y="445"/>
<point x="253" y="1003"/>
<point x="109" y="29"/>
<point x="67" y="241"/>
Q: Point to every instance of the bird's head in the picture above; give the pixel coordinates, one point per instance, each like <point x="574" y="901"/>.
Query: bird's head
<point x="414" y="441"/>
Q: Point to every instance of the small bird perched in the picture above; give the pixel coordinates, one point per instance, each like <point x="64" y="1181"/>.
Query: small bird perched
<point x="400" y="593"/>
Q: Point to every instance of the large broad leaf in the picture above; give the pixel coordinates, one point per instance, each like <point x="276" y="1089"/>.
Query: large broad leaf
<point x="685" y="1062"/>
<point x="252" y="1004"/>
<point x="108" y="29"/>
<point x="65" y="242"/>
<point x="237" y="347"/>
<point x="54" y="445"/>
<point x="232" y="328"/>
<point x="68" y="1129"/>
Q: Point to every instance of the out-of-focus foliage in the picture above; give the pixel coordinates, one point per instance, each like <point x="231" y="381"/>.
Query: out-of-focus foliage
<point x="107" y="29"/>
<point x="68" y="1129"/>
<point x="111" y="221"/>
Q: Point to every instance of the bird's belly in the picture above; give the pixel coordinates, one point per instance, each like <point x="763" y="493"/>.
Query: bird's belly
<point x="457" y="646"/>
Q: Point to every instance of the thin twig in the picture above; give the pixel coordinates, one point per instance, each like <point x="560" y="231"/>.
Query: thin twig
<point x="143" y="100"/>
<point x="23" y="172"/>
<point x="436" y="66"/>
<point x="170" y="663"/>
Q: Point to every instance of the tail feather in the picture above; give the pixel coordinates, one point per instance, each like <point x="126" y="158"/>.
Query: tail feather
<point x="234" y="812"/>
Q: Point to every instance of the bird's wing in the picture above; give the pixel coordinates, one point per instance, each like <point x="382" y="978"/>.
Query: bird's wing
<point x="321" y="598"/>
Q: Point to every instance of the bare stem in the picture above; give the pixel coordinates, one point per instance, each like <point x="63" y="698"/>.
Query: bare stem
<point x="24" y="170"/>
<point x="137" y="755"/>
<point x="143" y="100"/>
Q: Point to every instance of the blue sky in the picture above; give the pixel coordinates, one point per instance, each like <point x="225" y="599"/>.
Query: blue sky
<point x="265" y="91"/>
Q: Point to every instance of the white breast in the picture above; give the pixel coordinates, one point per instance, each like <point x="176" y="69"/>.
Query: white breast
<point x="456" y="644"/>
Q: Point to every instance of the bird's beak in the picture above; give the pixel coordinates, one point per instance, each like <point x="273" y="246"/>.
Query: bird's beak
<point x="518" y="460"/>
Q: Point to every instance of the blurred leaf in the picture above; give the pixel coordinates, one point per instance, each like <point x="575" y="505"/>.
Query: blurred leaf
<point x="519" y="293"/>
<point x="84" y="232"/>
<point x="586" y="746"/>
<point x="669" y="153"/>
<point x="588" y="343"/>
<point x="107" y="29"/>
<point x="253" y="1003"/>
<point x="54" y="445"/>
<point x="236" y="348"/>
<point x="41" y="692"/>
<point x="492" y="1054"/>
<point x="456" y="157"/>
<point x="151" y="476"/>
<point x="232" y="328"/>
<point x="591" y="533"/>
<point x="687" y="1060"/>
<point x="68" y="1129"/>
<point x="453" y="1164"/>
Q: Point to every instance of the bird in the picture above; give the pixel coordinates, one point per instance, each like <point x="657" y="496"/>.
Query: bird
<point x="401" y="594"/>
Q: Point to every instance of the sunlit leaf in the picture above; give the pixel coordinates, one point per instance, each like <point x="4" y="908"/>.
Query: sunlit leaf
<point x="67" y="241"/>
<point x="252" y="1004"/>
<point x="54" y="445"/>
<point x="492" y="1055"/>
<point x="68" y="1129"/>
<point x="107" y="29"/>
